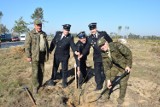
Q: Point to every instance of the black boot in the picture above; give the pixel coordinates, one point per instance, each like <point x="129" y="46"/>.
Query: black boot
<point x="64" y="83"/>
<point x="54" y="73"/>
<point x="99" y="87"/>
<point x="64" y="79"/>
<point x="50" y="83"/>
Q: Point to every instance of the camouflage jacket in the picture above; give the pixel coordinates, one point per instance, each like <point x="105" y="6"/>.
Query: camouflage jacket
<point x="32" y="43"/>
<point x="120" y="57"/>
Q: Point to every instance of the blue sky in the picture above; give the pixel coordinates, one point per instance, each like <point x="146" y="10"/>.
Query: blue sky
<point x="142" y="16"/>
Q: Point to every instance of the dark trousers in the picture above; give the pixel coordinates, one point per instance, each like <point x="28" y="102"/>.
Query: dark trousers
<point x="64" y="64"/>
<point x="99" y="75"/>
<point x="83" y="73"/>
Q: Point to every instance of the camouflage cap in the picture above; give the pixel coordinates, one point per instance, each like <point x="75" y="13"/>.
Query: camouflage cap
<point x="101" y="41"/>
<point x="37" y="22"/>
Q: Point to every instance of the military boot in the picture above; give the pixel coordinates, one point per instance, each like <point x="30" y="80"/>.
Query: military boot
<point x="99" y="87"/>
<point x="64" y="83"/>
<point x="50" y="83"/>
<point x="64" y="79"/>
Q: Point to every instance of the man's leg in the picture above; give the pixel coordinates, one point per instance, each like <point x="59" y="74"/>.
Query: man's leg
<point x="64" y="73"/>
<point x="98" y="75"/>
<point x="35" y="82"/>
<point x="123" y="88"/>
<point x="41" y="68"/>
<point x="55" y="68"/>
<point x="83" y="71"/>
<point x="114" y="72"/>
<point x="54" y="71"/>
<point x="40" y="73"/>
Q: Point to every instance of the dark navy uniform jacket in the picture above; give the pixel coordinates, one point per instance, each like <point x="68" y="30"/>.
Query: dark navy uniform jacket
<point x="92" y="41"/>
<point x="62" y="45"/>
<point x="80" y="47"/>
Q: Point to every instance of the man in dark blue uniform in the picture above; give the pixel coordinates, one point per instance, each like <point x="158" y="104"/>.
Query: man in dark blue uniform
<point x="81" y="63"/>
<point x="62" y="41"/>
<point x="97" y="58"/>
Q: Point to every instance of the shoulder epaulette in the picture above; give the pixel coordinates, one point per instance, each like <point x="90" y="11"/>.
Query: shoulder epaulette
<point x="58" y="31"/>
<point x="103" y="31"/>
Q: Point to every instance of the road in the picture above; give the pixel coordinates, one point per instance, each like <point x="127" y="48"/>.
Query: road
<point x="9" y="44"/>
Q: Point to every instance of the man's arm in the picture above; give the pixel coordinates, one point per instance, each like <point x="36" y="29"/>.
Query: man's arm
<point x="87" y="47"/>
<point x="107" y="37"/>
<point x="72" y="44"/>
<point x="28" y="42"/>
<point x="52" y="44"/>
<point x="126" y="52"/>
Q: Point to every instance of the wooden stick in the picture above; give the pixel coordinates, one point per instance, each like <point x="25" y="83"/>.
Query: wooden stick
<point x="75" y="73"/>
<point x="30" y="96"/>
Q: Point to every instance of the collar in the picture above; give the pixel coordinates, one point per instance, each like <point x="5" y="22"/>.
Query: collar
<point x="63" y="35"/>
<point x="34" y="31"/>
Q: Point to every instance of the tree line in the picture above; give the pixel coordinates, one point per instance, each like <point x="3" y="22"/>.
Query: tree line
<point x="20" y="25"/>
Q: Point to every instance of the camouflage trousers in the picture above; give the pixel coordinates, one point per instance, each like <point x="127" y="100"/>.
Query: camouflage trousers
<point x="38" y="70"/>
<point x="115" y="71"/>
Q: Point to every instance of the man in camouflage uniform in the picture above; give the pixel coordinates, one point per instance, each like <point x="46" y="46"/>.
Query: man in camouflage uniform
<point x="117" y="59"/>
<point x="36" y="48"/>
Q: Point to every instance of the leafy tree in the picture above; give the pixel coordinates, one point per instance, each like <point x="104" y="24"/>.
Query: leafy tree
<point x="38" y="14"/>
<point x="1" y="14"/>
<point x="119" y="29"/>
<point x="3" y="29"/>
<point x="20" y="26"/>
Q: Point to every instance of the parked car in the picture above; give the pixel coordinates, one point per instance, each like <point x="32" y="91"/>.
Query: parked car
<point x="22" y="37"/>
<point x="15" y="38"/>
<point x="6" y="37"/>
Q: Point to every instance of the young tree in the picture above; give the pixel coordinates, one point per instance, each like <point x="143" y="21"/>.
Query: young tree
<point x="3" y="29"/>
<point x="119" y="29"/>
<point x="1" y="14"/>
<point x="38" y="14"/>
<point x="20" y="26"/>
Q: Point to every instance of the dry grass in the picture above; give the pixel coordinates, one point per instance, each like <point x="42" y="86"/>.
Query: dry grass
<point x="16" y="72"/>
<point x="146" y="58"/>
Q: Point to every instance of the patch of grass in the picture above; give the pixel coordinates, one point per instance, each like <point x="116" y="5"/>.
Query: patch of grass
<point x="15" y="71"/>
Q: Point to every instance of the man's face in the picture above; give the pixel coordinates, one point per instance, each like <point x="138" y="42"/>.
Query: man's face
<point x="105" y="47"/>
<point x="38" y="27"/>
<point x="93" y="31"/>
<point x="83" y="40"/>
<point x="65" y="32"/>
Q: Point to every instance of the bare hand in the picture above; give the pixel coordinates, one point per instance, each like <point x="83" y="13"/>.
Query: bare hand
<point x="128" y="69"/>
<point x="109" y="84"/>
<point x="77" y="53"/>
<point x="29" y="59"/>
<point x="80" y="56"/>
